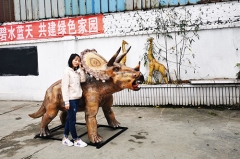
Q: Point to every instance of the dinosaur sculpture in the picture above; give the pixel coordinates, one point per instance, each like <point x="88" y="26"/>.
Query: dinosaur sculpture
<point x="123" y="61"/>
<point x="105" y="78"/>
<point x="155" y="65"/>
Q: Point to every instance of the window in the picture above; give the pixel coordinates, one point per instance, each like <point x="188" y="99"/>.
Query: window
<point x="19" y="61"/>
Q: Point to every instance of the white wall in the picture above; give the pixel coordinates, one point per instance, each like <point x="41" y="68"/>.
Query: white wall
<point x="217" y="52"/>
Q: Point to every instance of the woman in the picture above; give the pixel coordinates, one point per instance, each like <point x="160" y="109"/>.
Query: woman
<point x="72" y="92"/>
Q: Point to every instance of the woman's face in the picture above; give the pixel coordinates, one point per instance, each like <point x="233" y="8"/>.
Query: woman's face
<point x="76" y="62"/>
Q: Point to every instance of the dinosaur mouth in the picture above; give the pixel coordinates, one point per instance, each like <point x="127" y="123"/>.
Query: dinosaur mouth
<point x="135" y="85"/>
<point x="136" y="82"/>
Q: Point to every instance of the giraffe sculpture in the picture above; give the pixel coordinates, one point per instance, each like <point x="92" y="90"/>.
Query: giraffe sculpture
<point x="155" y="65"/>
<point x="123" y="61"/>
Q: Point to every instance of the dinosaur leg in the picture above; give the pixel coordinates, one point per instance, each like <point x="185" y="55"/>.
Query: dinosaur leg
<point x="63" y="117"/>
<point x="91" y="122"/>
<point x="50" y="114"/>
<point x="109" y="114"/>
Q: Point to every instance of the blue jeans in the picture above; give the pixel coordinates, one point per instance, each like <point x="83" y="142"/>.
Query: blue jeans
<point x="71" y="119"/>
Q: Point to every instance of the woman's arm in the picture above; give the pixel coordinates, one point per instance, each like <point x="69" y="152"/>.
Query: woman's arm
<point x="65" y="84"/>
<point x="82" y="75"/>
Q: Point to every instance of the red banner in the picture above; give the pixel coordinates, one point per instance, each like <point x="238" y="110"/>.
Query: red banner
<point x="77" y="26"/>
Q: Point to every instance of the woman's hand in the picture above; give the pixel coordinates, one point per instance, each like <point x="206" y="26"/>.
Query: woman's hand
<point x="67" y="106"/>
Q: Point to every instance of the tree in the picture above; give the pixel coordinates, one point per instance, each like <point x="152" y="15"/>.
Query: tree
<point x="178" y="29"/>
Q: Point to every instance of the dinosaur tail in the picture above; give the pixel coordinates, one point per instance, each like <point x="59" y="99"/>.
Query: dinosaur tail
<point x="40" y="112"/>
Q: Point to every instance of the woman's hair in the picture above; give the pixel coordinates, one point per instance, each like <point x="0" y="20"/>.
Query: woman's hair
<point x="72" y="56"/>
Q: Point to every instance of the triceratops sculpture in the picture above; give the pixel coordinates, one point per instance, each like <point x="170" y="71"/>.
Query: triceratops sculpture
<point x="105" y="78"/>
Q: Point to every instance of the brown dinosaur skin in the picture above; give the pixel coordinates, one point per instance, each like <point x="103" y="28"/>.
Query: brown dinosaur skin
<point x="95" y="94"/>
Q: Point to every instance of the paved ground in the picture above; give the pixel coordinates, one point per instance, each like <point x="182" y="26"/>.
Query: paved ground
<point x="153" y="133"/>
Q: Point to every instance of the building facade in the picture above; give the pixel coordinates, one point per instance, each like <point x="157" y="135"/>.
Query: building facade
<point x="34" y="45"/>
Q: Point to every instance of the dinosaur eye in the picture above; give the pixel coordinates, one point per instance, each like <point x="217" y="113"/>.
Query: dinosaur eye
<point x="116" y="69"/>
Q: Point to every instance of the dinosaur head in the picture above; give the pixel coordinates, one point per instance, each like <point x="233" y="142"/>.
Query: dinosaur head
<point x="121" y="75"/>
<point x="126" y="77"/>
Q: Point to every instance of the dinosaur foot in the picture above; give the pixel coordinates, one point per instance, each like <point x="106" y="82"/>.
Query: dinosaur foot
<point x="114" y="123"/>
<point x="96" y="138"/>
<point x="44" y="132"/>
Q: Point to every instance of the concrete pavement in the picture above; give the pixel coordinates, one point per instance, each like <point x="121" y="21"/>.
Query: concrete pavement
<point x="153" y="133"/>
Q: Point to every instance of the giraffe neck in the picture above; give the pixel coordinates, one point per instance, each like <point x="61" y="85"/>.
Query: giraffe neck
<point x="150" y="54"/>
<point x="123" y="48"/>
<point x="123" y="61"/>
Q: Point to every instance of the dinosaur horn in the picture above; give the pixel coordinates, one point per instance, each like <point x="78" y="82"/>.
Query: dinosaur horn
<point x="122" y="56"/>
<point x="112" y="60"/>
<point x="137" y="68"/>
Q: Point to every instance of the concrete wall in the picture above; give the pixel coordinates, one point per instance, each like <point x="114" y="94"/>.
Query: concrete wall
<point x="216" y="53"/>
